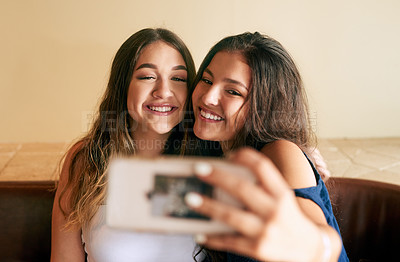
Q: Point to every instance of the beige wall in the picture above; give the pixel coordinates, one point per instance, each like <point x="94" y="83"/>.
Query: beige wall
<point x="55" y="57"/>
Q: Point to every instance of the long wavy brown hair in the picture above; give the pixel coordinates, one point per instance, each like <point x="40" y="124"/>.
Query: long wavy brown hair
<point x="110" y="135"/>
<point x="277" y="103"/>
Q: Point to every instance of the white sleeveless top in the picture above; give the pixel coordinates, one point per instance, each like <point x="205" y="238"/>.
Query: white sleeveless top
<point x="103" y="243"/>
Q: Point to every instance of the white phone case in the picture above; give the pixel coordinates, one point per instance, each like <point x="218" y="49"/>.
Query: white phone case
<point x="147" y="195"/>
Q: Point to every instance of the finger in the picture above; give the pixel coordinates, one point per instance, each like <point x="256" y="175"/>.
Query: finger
<point x="254" y="198"/>
<point x="263" y="168"/>
<point x="242" y="221"/>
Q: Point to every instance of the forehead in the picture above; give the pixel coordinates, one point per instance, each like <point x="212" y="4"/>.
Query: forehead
<point x="160" y="53"/>
<point x="230" y="65"/>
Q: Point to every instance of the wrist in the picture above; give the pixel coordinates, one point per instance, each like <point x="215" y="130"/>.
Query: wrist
<point x="322" y="248"/>
<point x="326" y="246"/>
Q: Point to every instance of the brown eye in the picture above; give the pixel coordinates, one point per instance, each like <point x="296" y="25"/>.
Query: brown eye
<point x="234" y="92"/>
<point x="205" y="80"/>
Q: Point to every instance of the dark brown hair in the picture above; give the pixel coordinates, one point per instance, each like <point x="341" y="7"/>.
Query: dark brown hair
<point x="110" y="134"/>
<point x="277" y="104"/>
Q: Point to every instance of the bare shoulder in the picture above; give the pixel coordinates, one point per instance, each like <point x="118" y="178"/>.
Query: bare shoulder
<point x="68" y="160"/>
<point x="291" y="162"/>
<point x="64" y="183"/>
<point x="66" y="245"/>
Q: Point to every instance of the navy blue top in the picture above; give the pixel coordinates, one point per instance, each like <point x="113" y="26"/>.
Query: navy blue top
<point x="319" y="195"/>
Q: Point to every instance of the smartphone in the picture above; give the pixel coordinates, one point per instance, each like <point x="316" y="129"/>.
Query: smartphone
<point x="148" y="195"/>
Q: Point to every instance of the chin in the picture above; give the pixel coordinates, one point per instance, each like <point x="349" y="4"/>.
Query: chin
<point x="163" y="131"/>
<point x="204" y="135"/>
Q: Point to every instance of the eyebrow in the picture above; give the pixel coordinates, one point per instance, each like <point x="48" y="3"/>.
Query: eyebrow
<point x="179" y="67"/>
<point x="153" y="66"/>
<point x="228" y="80"/>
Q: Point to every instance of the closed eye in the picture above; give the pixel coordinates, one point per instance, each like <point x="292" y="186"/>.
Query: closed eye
<point x="146" y="78"/>
<point x="179" y="79"/>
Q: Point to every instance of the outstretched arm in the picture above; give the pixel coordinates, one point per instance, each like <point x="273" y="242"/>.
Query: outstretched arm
<point x="272" y="227"/>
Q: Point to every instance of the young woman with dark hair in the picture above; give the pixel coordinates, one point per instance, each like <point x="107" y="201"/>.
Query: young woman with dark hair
<point x="249" y="93"/>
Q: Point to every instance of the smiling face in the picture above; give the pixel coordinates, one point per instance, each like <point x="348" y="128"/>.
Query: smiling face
<point x="219" y="97"/>
<point x="158" y="89"/>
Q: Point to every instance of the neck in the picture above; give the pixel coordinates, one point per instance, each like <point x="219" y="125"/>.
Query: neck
<point x="226" y="146"/>
<point x="149" y="144"/>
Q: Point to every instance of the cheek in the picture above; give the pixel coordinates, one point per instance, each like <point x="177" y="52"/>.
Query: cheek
<point x="132" y="101"/>
<point x="240" y="114"/>
<point x="182" y="95"/>
<point x="132" y="95"/>
<point x="134" y="104"/>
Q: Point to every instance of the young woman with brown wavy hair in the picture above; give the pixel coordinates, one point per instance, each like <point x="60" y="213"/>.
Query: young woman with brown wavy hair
<point x="249" y="93"/>
<point x="144" y="101"/>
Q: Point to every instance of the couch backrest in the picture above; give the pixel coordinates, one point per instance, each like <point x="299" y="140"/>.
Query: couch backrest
<point x="25" y="220"/>
<point x="368" y="214"/>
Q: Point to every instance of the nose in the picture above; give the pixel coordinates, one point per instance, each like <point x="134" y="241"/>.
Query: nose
<point x="211" y="96"/>
<point x="162" y="89"/>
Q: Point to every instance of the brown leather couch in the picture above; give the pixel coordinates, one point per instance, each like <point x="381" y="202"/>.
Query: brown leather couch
<point x="25" y="220"/>
<point x="368" y="214"/>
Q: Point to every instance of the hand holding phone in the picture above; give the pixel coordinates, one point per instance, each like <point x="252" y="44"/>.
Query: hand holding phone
<point x="148" y="195"/>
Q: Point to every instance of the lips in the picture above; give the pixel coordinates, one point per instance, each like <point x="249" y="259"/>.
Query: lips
<point x="161" y="109"/>
<point x="209" y="116"/>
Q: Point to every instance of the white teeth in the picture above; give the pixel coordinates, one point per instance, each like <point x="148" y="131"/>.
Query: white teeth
<point x="161" y="108"/>
<point x="210" y="116"/>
